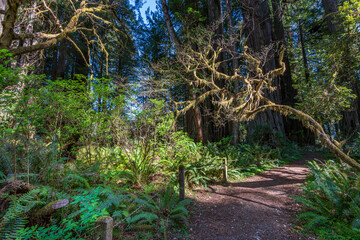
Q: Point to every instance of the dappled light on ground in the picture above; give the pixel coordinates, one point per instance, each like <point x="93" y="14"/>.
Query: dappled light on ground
<point x="259" y="208"/>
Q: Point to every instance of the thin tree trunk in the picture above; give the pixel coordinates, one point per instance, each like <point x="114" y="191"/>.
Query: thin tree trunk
<point x="15" y="163"/>
<point x="304" y="57"/>
<point x="288" y="92"/>
<point x="173" y="37"/>
<point x="175" y="40"/>
<point x="60" y="66"/>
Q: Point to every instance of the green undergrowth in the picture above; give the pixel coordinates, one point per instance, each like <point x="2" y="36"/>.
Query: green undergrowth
<point x="251" y="159"/>
<point x="157" y="213"/>
<point x="331" y="200"/>
<point x="136" y="186"/>
<point x="56" y="144"/>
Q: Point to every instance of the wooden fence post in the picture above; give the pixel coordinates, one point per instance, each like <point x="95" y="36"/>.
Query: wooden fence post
<point x="225" y="173"/>
<point x="181" y="182"/>
<point x="104" y="228"/>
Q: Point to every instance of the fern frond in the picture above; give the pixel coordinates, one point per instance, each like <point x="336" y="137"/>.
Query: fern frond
<point x="11" y="228"/>
<point x="148" y="202"/>
<point x="149" y="217"/>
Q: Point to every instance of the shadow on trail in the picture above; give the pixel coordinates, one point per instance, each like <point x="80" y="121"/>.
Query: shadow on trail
<point x="242" y="198"/>
<point x="259" y="208"/>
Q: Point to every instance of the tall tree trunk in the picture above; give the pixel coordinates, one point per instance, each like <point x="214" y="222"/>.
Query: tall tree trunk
<point x="176" y="42"/>
<point x="350" y="121"/>
<point x="235" y="65"/>
<point x="304" y="56"/>
<point x="8" y="31"/>
<point x="288" y="92"/>
<point x="8" y="23"/>
<point x="215" y="16"/>
<point x="330" y="7"/>
<point x="173" y="37"/>
<point x="3" y="6"/>
<point x="256" y="15"/>
<point x="60" y="69"/>
<point x="216" y="127"/>
<point x="31" y="59"/>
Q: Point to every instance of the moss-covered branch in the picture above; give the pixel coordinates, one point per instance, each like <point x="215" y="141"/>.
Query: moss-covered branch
<point x="314" y="126"/>
<point x="203" y="64"/>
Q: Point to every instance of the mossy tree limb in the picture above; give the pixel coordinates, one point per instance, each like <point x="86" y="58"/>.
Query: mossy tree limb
<point x="315" y="127"/>
<point x="250" y="100"/>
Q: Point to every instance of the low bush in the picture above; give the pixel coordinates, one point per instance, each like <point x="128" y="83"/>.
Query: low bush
<point x="332" y="201"/>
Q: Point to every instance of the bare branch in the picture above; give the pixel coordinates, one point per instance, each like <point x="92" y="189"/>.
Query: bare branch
<point x="57" y="21"/>
<point x="79" y="50"/>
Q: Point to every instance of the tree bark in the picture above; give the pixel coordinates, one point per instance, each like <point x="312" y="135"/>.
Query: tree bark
<point x="173" y="37"/>
<point x="330" y="7"/>
<point x="256" y="14"/>
<point x="33" y="58"/>
<point x="350" y="121"/>
<point x="235" y="66"/>
<point x="285" y="81"/>
<point x="8" y="23"/>
<point x="60" y="69"/>
<point x="176" y="42"/>
<point x="292" y="126"/>
<point x="3" y="6"/>
<point x="304" y="56"/>
<point x="215" y="130"/>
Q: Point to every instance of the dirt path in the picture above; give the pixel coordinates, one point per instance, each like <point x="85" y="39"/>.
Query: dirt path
<point x="259" y="208"/>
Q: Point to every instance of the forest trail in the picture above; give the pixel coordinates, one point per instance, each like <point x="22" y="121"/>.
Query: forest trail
<point x="259" y="208"/>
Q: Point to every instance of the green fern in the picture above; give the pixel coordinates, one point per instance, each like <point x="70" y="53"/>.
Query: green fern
<point x="76" y="225"/>
<point x="10" y="229"/>
<point x="142" y="217"/>
<point x="313" y="219"/>
<point x="76" y="181"/>
<point x="111" y="201"/>
<point x="162" y="212"/>
<point x="15" y="218"/>
<point x="332" y="196"/>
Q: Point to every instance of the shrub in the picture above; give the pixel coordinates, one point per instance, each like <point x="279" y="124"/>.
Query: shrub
<point x="332" y="198"/>
<point x="161" y="212"/>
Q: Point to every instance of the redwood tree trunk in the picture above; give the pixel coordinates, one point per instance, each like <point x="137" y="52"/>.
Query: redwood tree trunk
<point x="288" y="92"/>
<point x="176" y="42"/>
<point x="216" y="127"/>
<point x="235" y="65"/>
<point x="60" y="69"/>
<point x="350" y="121"/>
<point x="256" y="15"/>
<point x="330" y="7"/>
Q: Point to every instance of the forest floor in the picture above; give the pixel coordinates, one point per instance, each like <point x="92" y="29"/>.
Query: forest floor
<point x="261" y="207"/>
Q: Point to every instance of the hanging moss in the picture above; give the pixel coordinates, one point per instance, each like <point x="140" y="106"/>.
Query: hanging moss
<point x="203" y="64"/>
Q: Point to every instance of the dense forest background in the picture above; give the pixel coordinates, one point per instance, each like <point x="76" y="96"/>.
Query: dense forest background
<point x="98" y="100"/>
